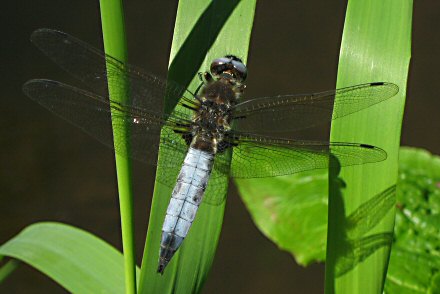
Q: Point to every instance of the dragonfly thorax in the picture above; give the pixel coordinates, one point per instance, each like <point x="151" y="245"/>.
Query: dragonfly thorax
<point x="213" y="119"/>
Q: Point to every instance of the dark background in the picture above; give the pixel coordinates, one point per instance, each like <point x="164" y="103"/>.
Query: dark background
<point x="50" y="170"/>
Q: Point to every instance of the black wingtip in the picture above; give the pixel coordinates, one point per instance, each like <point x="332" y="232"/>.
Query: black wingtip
<point x="381" y="154"/>
<point x="392" y="89"/>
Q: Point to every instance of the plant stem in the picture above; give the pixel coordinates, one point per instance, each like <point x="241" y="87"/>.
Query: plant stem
<point x="8" y="268"/>
<point x="113" y="29"/>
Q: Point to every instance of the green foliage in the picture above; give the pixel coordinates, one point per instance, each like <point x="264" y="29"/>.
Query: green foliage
<point x="8" y="268"/>
<point x="376" y="46"/>
<point x="415" y="257"/>
<point x="291" y="211"/>
<point x="294" y="214"/>
<point x="204" y="31"/>
<point x="75" y="259"/>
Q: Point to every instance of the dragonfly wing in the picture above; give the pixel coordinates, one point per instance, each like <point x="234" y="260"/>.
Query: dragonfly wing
<point x="294" y="112"/>
<point x="218" y="181"/>
<point x="353" y="252"/>
<point x="92" y="113"/>
<point x="364" y="218"/>
<point x="95" y="69"/>
<point x="257" y="157"/>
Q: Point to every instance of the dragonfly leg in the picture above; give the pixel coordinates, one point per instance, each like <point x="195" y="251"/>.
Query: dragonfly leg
<point x="205" y="78"/>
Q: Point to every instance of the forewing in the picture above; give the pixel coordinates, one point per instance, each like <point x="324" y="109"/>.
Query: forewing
<point x="294" y="112"/>
<point x="95" y="69"/>
<point x="92" y="113"/>
<point x="259" y="157"/>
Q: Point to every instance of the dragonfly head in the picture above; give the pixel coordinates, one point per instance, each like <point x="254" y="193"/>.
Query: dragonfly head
<point x="229" y="67"/>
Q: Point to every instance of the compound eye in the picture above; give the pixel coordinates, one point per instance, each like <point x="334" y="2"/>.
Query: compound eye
<point x="230" y="65"/>
<point x="219" y="65"/>
<point x="240" y="70"/>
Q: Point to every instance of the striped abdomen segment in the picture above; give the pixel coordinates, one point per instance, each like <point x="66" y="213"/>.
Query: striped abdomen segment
<point x="185" y="200"/>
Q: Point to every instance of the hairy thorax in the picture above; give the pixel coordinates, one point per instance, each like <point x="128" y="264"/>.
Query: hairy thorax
<point x="212" y="120"/>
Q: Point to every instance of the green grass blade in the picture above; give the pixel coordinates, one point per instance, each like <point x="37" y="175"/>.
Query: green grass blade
<point x="375" y="47"/>
<point x="75" y="259"/>
<point x="8" y="269"/>
<point x="113" y="29"/>
<point x="204" y="30"/>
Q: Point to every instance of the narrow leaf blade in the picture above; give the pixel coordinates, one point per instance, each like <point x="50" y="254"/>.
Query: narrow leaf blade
<point x="375" y="47"/>
<point x="204" y="30"/>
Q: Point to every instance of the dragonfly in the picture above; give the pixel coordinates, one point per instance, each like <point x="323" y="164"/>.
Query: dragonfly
<point x="205" y="128"/>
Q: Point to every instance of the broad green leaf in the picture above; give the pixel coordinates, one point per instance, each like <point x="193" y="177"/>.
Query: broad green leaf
<point x="77" y="260"/>
<point x="415" y="257"/>
<point x="376" y="47"/>
<point x="294" y="216"/>
<point x="204" y="30"/>
<point x="291" y="211"/>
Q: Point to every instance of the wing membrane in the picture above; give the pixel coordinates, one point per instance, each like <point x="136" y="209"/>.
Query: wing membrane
<point x="94" y="68"/>
<point x="253" y="155"/>
<point x="147" y="131"/>
<point x="294" y="112"/>
<point x="258" y="157"/>
<point x="92" y="113"/>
